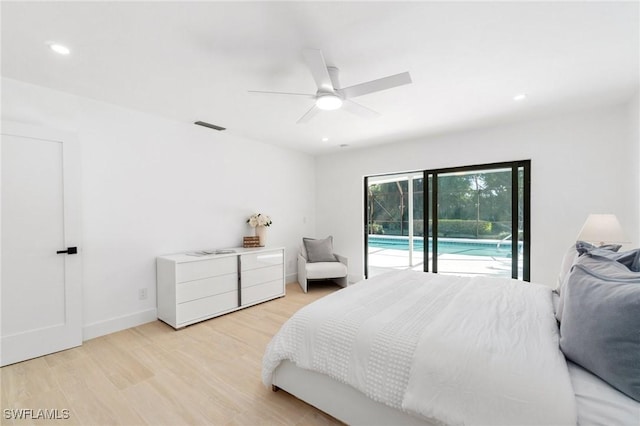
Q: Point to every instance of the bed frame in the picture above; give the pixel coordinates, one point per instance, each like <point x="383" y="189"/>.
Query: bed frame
<point x="341" y="401"/>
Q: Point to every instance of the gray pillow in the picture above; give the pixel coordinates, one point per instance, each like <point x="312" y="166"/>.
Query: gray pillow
<point x="575" y="251"/>
<point x="630" y="259"/>
<point x="583" y="247"/>
<point x="595" y="263"/>
<point x="600" y="328"/>
<point x="319" y="250"/>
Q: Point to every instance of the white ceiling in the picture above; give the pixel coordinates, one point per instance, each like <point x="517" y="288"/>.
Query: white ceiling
<point x="193" y="61"/>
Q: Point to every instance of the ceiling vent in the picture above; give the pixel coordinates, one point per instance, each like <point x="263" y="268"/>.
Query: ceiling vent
<point x="209" y="125"/>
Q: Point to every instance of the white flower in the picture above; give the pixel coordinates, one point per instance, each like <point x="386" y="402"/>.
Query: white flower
<point x="259" y="219"/>
<point x="264" y="220"/>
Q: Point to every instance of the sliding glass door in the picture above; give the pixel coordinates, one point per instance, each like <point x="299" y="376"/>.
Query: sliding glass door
<point x="477" y="221"/>
<point x="395" y="222"/>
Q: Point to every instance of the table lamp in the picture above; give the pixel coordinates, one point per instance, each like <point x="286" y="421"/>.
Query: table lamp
<point x="602" y="229"/>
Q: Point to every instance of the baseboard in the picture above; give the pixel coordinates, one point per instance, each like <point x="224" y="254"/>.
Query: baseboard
<point x="112" y="325"/>
<point x="291" y="278"/>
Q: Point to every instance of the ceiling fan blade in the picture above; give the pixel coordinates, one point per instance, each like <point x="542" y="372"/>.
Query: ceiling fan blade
<point x="376" y="85"/>
<point x="358" y="109"/>
<point x="308" y="115"/>
<point x="318" y="67"/>
<point x="308" y="95"/>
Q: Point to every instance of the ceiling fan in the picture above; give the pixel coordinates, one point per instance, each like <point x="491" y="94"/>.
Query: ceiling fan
<point x="330" y="96"/>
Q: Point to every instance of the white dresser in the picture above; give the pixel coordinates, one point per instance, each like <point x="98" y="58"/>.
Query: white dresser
<point x="196" y="288"/>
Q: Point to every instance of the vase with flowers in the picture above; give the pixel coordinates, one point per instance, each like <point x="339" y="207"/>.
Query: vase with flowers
<point x="259" y="223"/>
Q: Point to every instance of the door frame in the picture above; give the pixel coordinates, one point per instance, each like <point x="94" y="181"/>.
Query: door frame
<point x="21" y="346"/>
<point x="430" y="211"/>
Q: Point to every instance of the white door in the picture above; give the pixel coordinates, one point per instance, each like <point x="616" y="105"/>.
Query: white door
<point x="41" y="289"/>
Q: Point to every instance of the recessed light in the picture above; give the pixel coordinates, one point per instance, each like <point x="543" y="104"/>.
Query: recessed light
<point x="325" y="139"/>
<point x="59" y="48"/>
<point x="520" y="97"/>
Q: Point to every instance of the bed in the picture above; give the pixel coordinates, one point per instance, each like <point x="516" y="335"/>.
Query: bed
<point x="409" y="347"/>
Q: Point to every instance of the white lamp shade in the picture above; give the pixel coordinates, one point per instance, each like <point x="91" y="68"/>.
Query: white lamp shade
<point x="602" y="228"/>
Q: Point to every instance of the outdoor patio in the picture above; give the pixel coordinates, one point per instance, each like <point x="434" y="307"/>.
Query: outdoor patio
<point x="382" y="260"/>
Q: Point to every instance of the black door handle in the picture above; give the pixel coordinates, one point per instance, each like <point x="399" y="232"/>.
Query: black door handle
<point x="69" y="250"/>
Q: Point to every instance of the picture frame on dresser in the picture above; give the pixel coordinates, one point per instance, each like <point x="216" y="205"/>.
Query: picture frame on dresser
<point x="194" y="288"/>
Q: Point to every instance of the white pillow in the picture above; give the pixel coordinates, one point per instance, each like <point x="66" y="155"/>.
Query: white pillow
<point x="568" y="260"/>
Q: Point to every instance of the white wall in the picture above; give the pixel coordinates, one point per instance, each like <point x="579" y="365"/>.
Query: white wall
<point x="153" y="186"/>
<point x="581" y="163"/>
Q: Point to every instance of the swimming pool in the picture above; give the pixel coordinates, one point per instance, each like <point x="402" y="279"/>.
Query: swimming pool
<point x="494" y="248"/>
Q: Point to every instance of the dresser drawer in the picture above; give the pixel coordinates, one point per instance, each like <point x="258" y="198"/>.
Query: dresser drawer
<point x="261" y="260"/>
<point x="260" y="276"/>
<point x="205" y="307"/>
<point x="198" y="289"/>
<point x="205" y="268"/>
<point x="262" y="292"/>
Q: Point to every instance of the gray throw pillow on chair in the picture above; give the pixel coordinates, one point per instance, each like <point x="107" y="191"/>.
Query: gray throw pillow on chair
<point x="319" y="250"/>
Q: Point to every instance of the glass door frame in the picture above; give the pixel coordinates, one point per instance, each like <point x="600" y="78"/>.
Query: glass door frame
<point x="431" y="210"/>
<point x="410" y="175"/>
<point x="431" y="213"/>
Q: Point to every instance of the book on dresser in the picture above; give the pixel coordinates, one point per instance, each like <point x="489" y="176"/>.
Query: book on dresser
<point x="193" y="288"/>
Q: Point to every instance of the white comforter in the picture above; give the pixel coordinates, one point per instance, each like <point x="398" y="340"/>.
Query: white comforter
<point x="456" y="350"/>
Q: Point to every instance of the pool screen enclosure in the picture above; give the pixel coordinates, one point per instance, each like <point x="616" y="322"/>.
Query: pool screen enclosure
<point x="471" y="220"/>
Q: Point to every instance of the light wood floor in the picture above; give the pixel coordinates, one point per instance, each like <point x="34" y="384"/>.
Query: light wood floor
<point x="208" y="373"/>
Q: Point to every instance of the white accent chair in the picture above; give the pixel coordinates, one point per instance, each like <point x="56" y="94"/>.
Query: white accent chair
<point x="309" y="271"/>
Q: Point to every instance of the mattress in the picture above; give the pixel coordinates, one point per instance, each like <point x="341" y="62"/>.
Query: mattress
<point x="409" y="340"/>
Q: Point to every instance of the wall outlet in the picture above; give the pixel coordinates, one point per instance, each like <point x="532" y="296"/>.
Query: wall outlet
<point x="142" y="294"/>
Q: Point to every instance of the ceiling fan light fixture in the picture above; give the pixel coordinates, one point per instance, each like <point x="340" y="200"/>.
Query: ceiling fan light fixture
<point x="328" y="102"/>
